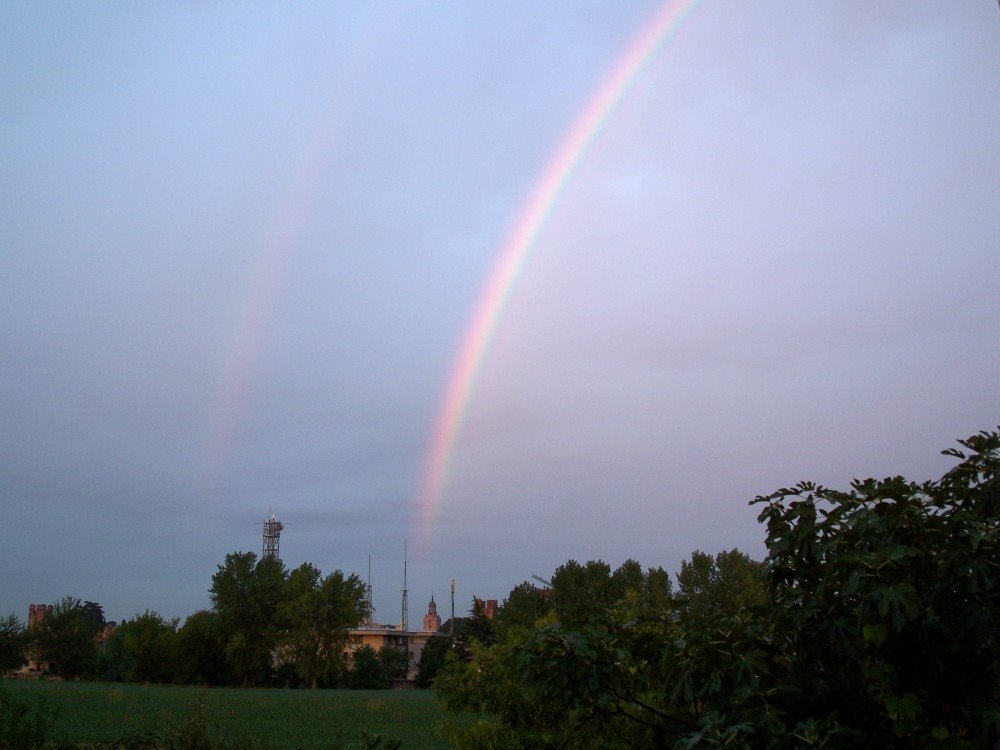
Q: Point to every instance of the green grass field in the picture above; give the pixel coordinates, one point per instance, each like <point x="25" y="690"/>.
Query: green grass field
<point x="281" y="719"/>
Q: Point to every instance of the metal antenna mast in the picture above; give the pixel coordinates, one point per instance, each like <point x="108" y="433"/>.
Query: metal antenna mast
<point x="272" y="535"/>
<point x="453" y="606"/>
<point x="404" y="622"/>
<point x="369" y="607"/>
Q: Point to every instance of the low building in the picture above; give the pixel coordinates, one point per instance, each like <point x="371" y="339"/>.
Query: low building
<point x="411" y="642"/>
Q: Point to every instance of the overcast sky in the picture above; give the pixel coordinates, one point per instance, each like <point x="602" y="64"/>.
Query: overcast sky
<point x="241" y="245"/>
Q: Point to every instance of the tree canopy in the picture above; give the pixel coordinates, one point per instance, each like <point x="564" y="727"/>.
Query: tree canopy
<point x="872" y="622"/>
<point x="66" y="638"/>
<point x="316" y="614"/>
<point x="12" y="643"/>
<point x="247" y="593"/>
<point x="146" y="647"/>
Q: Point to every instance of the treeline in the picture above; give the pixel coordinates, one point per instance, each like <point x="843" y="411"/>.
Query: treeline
<point x="874" y="621"/>
<point x="267" y="626"/>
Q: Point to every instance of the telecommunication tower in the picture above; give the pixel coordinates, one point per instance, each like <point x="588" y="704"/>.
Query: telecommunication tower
<point x="272" y="533"/>
<point x="369" y="607"/>
<point x="404" y="622"/>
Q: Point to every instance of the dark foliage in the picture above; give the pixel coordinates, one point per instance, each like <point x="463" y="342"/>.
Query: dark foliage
<point x="200" y="651"/>
<point x="366" y="672"/>
<point x="66" y="639"/>
<point x="13" y="641"/>
<point x="873" y="622"/>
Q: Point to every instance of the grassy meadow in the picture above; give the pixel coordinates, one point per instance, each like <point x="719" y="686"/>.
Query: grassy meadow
<point x="88" y="712"/>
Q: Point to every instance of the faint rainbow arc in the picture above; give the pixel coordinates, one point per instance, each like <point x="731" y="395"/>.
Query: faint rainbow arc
<point x="270" y="268"/>
<point x="267" y="277"/>
<point x="514" y="250"/>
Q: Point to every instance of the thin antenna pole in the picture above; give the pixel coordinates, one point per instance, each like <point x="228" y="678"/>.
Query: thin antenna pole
<point x="370" y="608"/>
<point x="405" y="619"/>
<point x="453" y="606"/>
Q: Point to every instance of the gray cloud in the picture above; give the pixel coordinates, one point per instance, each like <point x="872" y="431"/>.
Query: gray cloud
<point x="240" y="249"/>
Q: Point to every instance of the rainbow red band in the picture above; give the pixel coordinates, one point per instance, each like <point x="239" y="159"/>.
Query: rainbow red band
<point x="515" y="249"/>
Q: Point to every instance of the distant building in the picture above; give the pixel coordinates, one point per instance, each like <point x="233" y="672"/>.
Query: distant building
<point x="432" y="622"/>
<point x="488" y="607"/>
<point x="35" y="667"/>
<point x="411" y="642"/>
<point x="37" y="614"/>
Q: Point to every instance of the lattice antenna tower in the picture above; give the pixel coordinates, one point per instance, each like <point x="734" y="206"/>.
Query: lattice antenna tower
<point x="369" y="607"/>
<point x="404" y="622"/>
<point x="272" y="535"/>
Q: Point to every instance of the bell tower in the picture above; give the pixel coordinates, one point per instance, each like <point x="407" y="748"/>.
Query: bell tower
<point x="432" y="621"/>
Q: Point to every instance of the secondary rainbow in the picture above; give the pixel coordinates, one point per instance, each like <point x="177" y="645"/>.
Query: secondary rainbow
<point x="514" y="250"/>
<point x="269" y="267"/>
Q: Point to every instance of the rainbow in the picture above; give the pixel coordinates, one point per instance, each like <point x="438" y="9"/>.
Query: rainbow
<point x="270" y="268"/>
<point x="514" y="250"/>
<point x="266" y="280"/>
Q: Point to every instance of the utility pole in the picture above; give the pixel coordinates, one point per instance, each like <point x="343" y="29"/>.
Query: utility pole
<point x="453" y="606"/>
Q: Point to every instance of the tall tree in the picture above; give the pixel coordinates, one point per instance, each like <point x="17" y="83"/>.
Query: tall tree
<point x="523" y="607"/>
<point x="581" y="592"/>
<point x="200" y="651"/>
<point x="148" y="647"/>
<point x="247" y="594"/>
<point x="66" y="638"/>
<point x="316" y="615"/>
<point x="586" y="593"/>
<point x="480" y="626"/>
<point x="627" y="577"/>
<point x="432" y="658"/>
<point x="728" y="583"/>
<point x="395" y="662"/>
<point x="12" y="643"/>
<point x="95" y="612"/>
<point x="366" y="671"/>
<point x="585" y="677"/>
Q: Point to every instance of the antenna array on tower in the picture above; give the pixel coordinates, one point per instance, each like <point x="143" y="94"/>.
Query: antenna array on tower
<point x="369" y="607"/>
<point x="272" y="535"/>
